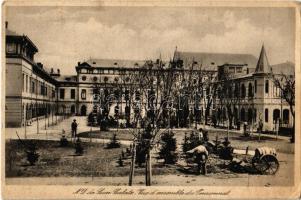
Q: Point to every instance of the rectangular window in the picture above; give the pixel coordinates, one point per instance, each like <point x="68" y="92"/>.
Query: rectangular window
<point x="127" y="95"/>
<point x="23" y="80"/>
<point x="231" y="69"/>
<point x="33" y="86"/>
<point x="266" y="115"/>
<point x="42" y="89"/>
<point x="83" y="94"/>
<point x="255" y="86"/>
<point x="53" y="93"/>
<point x="267" y="86"/>
<point x="238" y="69"/>
<point x="72" y="94"/>
<point x="137" y="96"/>
<point x="26" y="84"/>
<point x="11" y="48"/>
<point x="62" y="93"/>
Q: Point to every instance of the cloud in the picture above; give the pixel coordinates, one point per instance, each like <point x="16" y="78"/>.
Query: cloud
<point x="65" y="37"/>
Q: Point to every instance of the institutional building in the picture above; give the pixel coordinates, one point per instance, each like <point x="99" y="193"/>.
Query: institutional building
<point x="32" y="91"/>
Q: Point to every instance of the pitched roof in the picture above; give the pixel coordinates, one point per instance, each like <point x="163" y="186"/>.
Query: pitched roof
<point x="115" y="63"/>
<point x="66" y="78"/>
<point x="210" y="61"/>
<point x="12" y="34"/>
<point x="263" y="63"/>
<point x="287" y="68"/>
<point x="9" y="32"/>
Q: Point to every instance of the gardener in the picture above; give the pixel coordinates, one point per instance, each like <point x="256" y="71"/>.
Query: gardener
<point x="201" y="159"/>
<point x="74" y="128"/>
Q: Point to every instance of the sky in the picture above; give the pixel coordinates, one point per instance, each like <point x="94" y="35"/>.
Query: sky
<point x="67" y="35"/>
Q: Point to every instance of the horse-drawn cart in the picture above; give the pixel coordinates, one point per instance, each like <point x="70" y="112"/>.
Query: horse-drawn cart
<point x="264" y="159"/>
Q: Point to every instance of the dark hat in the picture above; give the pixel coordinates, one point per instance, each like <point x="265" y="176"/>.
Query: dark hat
<point x="74" y="120"/>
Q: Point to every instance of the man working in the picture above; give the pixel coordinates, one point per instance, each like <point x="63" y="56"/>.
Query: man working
<point x="74" y="128"/>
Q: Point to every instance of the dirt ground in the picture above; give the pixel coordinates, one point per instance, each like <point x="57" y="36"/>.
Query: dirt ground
<point x="237" y="140"/>
<point x="100" y="166"/>
<point x="284" y="177"/>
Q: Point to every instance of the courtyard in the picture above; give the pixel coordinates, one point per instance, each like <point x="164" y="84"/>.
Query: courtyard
<point x="100" y="166"/>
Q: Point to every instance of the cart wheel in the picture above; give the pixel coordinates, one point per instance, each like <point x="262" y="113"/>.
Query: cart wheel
<point x="267" y="164"/>
<point x="272" y="163"/>
<point x="260" y="165"/>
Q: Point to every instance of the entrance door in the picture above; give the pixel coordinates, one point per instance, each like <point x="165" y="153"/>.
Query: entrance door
<point x="72" y="109"/>
<point x="83" y="110"/>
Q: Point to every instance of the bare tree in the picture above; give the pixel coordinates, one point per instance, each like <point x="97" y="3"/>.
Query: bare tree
<point x="286" y="84"/>
<point x="228" y="96"/>
<point x="210" y="90"/>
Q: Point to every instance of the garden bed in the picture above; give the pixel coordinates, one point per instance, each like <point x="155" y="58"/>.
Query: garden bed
<point x="54" y="160"/>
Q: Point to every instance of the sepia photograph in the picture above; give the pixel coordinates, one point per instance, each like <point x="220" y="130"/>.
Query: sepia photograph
<point x="133" y="96"/>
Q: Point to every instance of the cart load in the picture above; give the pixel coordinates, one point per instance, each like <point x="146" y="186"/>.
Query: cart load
<point x="265" y="160"/>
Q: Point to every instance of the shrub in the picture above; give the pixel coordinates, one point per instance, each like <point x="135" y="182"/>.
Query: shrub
<point x="192" y="141"/>
<point x="142" y="146"/>
<point x="120" y="162"/>
<point x="63" y="141"/>
<point x="90" y="119"/>
<point x="32" y="155"/>
<point x="168" y="149"/>
<point x="79" y="150"/>
<point x="104" y="124"/>
<point x="140" y="154"/>
<point x="114" y="143"/>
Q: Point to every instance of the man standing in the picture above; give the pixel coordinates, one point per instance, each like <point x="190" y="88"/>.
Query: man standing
<point x="74" y="128"/>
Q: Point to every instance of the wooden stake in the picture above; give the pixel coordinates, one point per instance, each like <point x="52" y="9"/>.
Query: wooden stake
<point x="132" y="165"/>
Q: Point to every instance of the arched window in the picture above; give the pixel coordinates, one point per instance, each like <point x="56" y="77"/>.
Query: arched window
<point x="73" y="109"/>
<point x="243" y="91"/>
<point x="286" y="116"/>
<point x="230" y="91"/>
<point x="105" y="79"/>
<point x="250" y="92"/>
<point x="242" y="114"/>
<point x="219" y="95"/>
<point x="266" y="115"/>
<point x="137" y="96"/>
<point x="255" y="115"/>
<point x="267" y="86"/>
<point x="83" y="94"/>
<point x="219" y="114"/>
<point x="250" y="115"/>
<point x="235" y="113"/>
<point x="208" y="91"/>
<point x="236" y="90"/>
<point x="224" y="114"/>
<point x="276" y="115"/>
<point x="83" y="110"/>
<point x="127" y="111"/>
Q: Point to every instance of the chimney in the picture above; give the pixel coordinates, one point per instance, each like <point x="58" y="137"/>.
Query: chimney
<point x="40" y="65"/>
<point x="78" y="63"/>
<point x="6" y="24"/>
<point x="58" y="71"/>
<point x="51" y="71"/>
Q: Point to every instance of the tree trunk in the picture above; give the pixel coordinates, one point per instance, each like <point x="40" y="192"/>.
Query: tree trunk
<point x="293" y="133"/>
<point x="132" y="165"/>
<point x="148" y="170"/>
